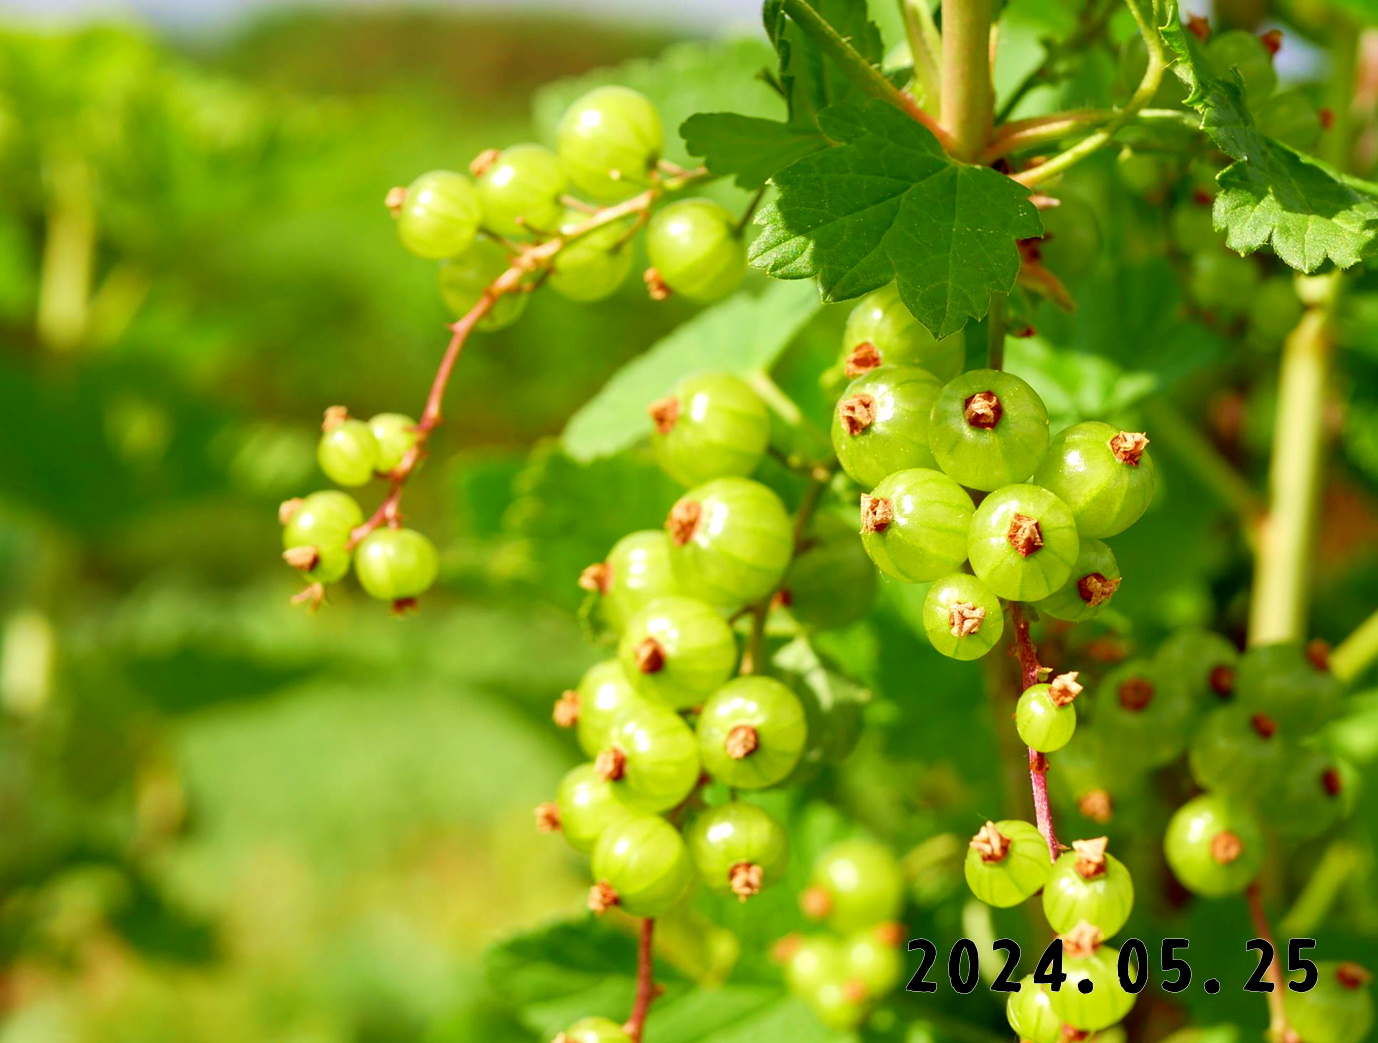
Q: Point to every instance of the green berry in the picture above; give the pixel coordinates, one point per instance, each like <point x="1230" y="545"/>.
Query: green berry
<point x="347" y="451"/>
<point x="1094" y="776"/>
<point x="813" y="962"/>
<point x="322" y="522"/>
<point x="587" y="805"/>
<point x="520" y="191"/>
<point x="1023" y="542"/>
<point x="988" y="429"/>
<point x="752" y="732"/>
<point x="1144" y="715"/>
<point x="439" y="216"/>
<point x="652" y="758"/>
<point x="1147" y="174"/>
<point x="1088" y="885"/>
<point x="1090" y="589"/>
<point x="732" y="541"/>
<point x="1237" y="752"/>
<point x="711" y="426"/>
<point x="1204" y="662"/>
<point x="1030" y="1013"/>
<point x="696" y="249"/>
<point x="1283" y="682"/>
<point x="604" y="692"/>
<point x="636" y="572"/>
<point x="1103" y="474"/>
<point x="1045" y="716"/>
<point x="962" y="617"/>
<point x="1007" y="862"/>
<point x="1339" y="1009"/>
<point x="1224" y="282"/>
<point x="1236" y="49"/>
<point x="880" y="424"/>
<point x="855" y="884"/>
<point x="831" y="583"/>
<point x="1193" y="228"/>
<point x="678" y="651"/>
<point x="1290" y="117"/>
<point x="881" y="330"/>
<point x="463" y="280"/>
<point x="871" y="961"/>
<point x="1106" y="1004"/>
<point x="641" y="866"/>
<point x="914" y="525"/>
<point x="395" y="564"/>
<point x="838" y="1006"/>
<point x="737" y="848"/>
<point x="594" y="265"/>
<point x="1214" y="846"/>
<point x="596" y="1030"/>
<point x="1309" y="796"/>
<point x="609" y="141"/>
<point x="395" y="434"/>
<point x="1274" y="312"/>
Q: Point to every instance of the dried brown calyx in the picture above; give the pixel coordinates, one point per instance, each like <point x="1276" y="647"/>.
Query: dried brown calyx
<point x="964" y="619"/>
<point x="649" y="656"/>
<point x="741" y="742"/>
<point x="1272" y="40"/>
<point x="312" y="596"/>
<point x="1318" y="653"/>
<point x="861" y="359"/>
<point x="1264" y="725"/>
<point x="854" y="990"/>
<point x="815" y="902"/>
<point x="287" y="509"/>
<point x="480" y="164"/>
<point x="856" y="413"/>
<point x="1222" y="680"/>
<point x="1331" y="782"/>
<point x="602" y="897"/>
<point x="548" y="817"/>
<point x="1097" y="805"/>
<point x="1090" y="857"/>
<point x="745" y="879"/>
<point x="683" y="520"/>
<point x="889" y="933"/>
<point x="784" y="949"/>
<point x="1071" y="1035"/>
<point x="334" y="417"/>
<point x="303" y="558"/>
<point x="610" y="765"/>
<point x="983" y="410"/>
<point x="1129" y="446"/>
<point x="1024" y="535"/>
<point x="1136" y="693"/>
<point x="990" y="843"/>
<point x="1226" y="847"/>
<point x="1352" y="975"/>
<point x="664" y="412"/>
<point x="656" y="287"/>
<point x="395" y="199"/>
<point x="876" y="513"/>
<point x="596" y="578"/>
<point x="1064" y="688"/>
<point x="1096" y="589"/>
<point x="566" y="710"/>
<point x="1199" y="27"/>
<point x="1082" y="940"/>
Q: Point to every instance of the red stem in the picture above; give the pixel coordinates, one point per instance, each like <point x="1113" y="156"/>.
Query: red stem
<point x="1278" y="1029"/>
<point x="645" y="982"/>
<point x="1038" y="764"/>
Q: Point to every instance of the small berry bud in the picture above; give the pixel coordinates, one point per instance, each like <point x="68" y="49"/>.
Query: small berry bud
<point x="395" y="199"/>
<point x="303" y="558"/>
<point x="889" y="933"/>
<point x="334" y="417"/>
<point x="1199" y="27"/>
<point x="1082" y="940"/>
<point x="1351" y="975"/>
<point x="610" y="765"/>
<point x="983" y="410"/>
<point x="287" y="509"/>
<point x="855" y="991"/>
<point x="1264" y="725"/>
<point x="1272" y="40"/>
<point x="1097" y="805"/>
<point x="1136" y="693"/>
<point x="815" y="902"/>
<point x="1332" y="783"/>
<point x="990" y="843"/>
<point x="1318" y="653"/>
<point x="650" y="656"/>
<point x="1222" y="681"/>
<point x="602" y="897"/>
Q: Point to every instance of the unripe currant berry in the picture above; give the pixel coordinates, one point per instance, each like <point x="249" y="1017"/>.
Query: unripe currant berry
<point x="1103" y="474"/>
<point x="636" y="571"/>
<point x="962" y="617"/>
<point x="395" y="564"/>
<point x="881" y="330"/>
<point x="732" y="541"/>
<point x="711" y="426"/>
<point x="1193" y="228"/>
<point x="914" y="525"/>
<point x="1147" y="174"/>
<point x="464" y="278"/>
<point x="1007" y="862"/>
<point x="316" y="531"/>
<point x="1295" y="690"/>
<point x="652" y="757"/>
<point x="696" y="249"/>
<point x="678" y="651"/>
<point x="752" y="732"/>
<point x="839" y="1006"/>
<point x="871" y="961"/>
<point x="1089" y="885"/>
<point x="855" y="884"/>
<point x="1045" y="716"/>
<point x="586" y="805"/>
<point x="1310" y="796"/>
<point x="1023" y="542"/>
<point x="1085" y="959"/>
<point x="988" y="429"/>
<point x="831" y="583"/>
<point x="737" y="848"/>
<point x="1339" y="1009"/>
<point x="880" y="425"/>
<point x="347" y="452"/>
<point x="520" y="191"/>
<point x="594" y="1030"/>
<point x="1091" y="587"/>
<point x="395" y="434"/>
<point x="609" y="141"/>
<point x="1237" y="752"/>
<point x="593" y="266"/>
<point x="1030" y="1013"/>
<point x="811" y="962"/>
<point x="439" y="215"/>
<point x="1238" y="49"/>
<point x="641" y="866"/>
<point x="1223" y="282"/>
<point x="1143" y="715"/>
<point x="1214" y="846"/>
<point x="1094" y="776"/>
<point x="1292" y="118"/>
<point x="1204" y="662"/>
<point x="604" y="692"/>
<point x="1274" y="313"/>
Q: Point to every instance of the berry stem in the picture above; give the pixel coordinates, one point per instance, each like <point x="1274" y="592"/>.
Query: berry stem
<point x="1352" y="656"/>
<point x="645" y="981"/>
<point x="968" y="100"/>
<point x="1027" y="655"/>
<point x="1020" y="135"/>
<point x="1278" y="1030"/>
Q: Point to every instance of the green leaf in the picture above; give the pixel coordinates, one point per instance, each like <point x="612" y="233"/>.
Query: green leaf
<point x="747" y="148"/>
<point x="1273" y="195"/>
<point x="741" y="334"/>
<point x="887" y="203"/>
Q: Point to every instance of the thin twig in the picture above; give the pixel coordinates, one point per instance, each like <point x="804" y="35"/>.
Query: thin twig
<point x="925" y="48"/>
<point x="1278" y="1030"/>
<point x="1029" y="670"/>
<point x="645" y="982"/>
